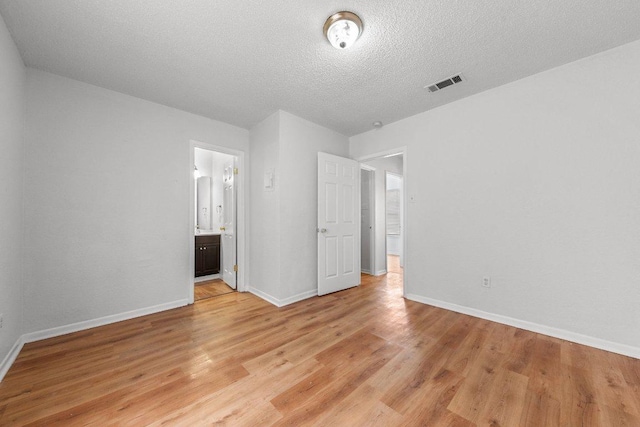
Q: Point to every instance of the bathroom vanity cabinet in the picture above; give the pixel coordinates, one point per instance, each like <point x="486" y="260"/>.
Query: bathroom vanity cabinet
<point x="207" y="255"/>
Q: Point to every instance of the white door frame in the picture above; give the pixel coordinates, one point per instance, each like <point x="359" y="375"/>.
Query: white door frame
<point x="405" y="201"/>
<point x="372" y="217"/>
<point x="241" y="220"/>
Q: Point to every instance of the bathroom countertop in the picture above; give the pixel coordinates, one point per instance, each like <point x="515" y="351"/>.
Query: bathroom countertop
<point x="208" y="233"/>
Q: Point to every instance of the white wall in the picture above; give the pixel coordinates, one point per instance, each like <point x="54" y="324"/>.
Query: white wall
<point x="536" y="184"/>
<point x="264" y="246"/>
<point x="112" y="235"/>
<point x="301" y="140"/>
<point x="12" y="119"/>
<point x="382" y="165"/>
<point x="284" y="220"/>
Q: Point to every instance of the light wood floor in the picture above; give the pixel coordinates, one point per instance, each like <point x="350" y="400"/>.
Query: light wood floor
<point x="393" y="265"/>
<point x="360" y="357"/>
<point x="210" y="288"/>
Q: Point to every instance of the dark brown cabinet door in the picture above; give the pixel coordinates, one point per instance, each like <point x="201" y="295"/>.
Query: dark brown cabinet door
<point x="207" y="255"/>
<point x="198" y="260"/>
<point x="211" y="258"/>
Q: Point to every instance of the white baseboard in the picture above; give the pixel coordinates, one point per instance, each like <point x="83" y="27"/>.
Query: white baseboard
<point x="265" y="296"/>
<point x="101" y="321"/>
<point x="281" y="303"/>
<point x="299" y="297"/>
<point x="11" y="357"/>
<point x="381" y="272"/>
<point x="613" y="347"/>
<point x="80" y="326"/>
<point x="365" y="271"/>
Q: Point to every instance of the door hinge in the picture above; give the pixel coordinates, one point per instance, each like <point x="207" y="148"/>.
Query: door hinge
<point x="235" y="171"/>
<point x="235" y="267"/>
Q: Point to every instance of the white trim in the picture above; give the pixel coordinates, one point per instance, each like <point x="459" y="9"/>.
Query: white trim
<point x="265" y="296"/>
<point x="101" y="321"/>
<point x="384" y="153"/>
<point x="81" y="326"/>
<point x="192" y="226"/>
<point x="366" y="271"/>
<point x="613" y="347"/>
<point x="281" y="303"/>
<point x="242" y="206"/>
<point x="299" y="297"/>
<point x="381" y="272"/>
<point x="405" y="198"/>
<point x="11" y="357"/>
<point x="372" y="217"/>
<point x="205" y="278"/>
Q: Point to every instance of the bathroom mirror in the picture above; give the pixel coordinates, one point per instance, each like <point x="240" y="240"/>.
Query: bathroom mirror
<point x="204" y="203"/>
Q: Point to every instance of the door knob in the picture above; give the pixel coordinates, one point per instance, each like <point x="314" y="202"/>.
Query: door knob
<point x="222" y="228"/>
<point x="323" y="230"/>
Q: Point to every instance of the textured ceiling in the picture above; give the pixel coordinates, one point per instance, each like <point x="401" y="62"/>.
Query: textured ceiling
<point x="239" y="61"/>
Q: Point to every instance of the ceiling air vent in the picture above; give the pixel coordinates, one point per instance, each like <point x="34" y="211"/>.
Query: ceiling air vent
<point x="444" y="83"/>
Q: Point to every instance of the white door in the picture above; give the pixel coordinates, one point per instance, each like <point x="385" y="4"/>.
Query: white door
<point x="338" y="223"/>
<point x="228" y="229"/>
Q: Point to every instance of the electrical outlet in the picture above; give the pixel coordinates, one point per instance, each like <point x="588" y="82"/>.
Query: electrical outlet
<point x="486" y="282"/>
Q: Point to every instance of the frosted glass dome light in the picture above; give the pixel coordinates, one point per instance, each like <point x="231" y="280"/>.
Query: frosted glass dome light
<point x="343" y="29"/>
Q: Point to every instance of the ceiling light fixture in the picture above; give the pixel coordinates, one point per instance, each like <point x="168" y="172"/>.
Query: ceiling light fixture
<point x="343" y="29"/>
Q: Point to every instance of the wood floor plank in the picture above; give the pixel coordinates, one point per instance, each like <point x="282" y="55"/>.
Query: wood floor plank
<point x="614" y="417"/>
<point x="304" y="347"/>
<point x="611" y="389"/>
<point x="542" y="401"/>
<point x="407" y="389"/>
<point x="345" y="381"/>
<point x="545" y="375"/>
<point x="540" y="409"/>
<point x="476" y="390"/>
<point x="361" y="357"/>
<point x="503" y="405"/>
<point x="578" y="397"/>
<point x="430" y="406"/>
<point x="520" y="355"/>
<point x="243" y="399"/>
<point x="336" y="361"/>
<point x="210" y="289"/>
<point x="467" y="353"/>
<point x="359" y="409"/>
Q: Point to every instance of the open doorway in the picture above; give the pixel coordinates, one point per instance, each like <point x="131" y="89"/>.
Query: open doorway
<point x="393" y="220"/>
<point x="217" y="220"/>
<point x="387" y="200"/>
<point x="367" y="219"/>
